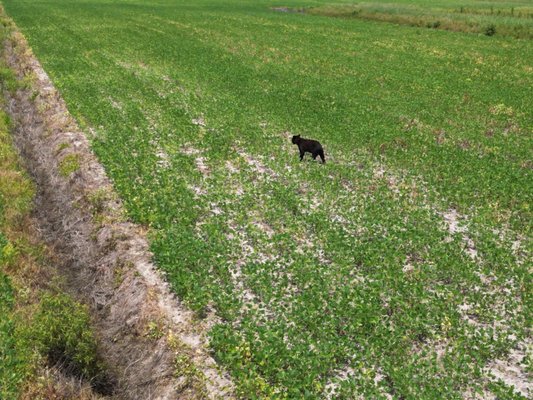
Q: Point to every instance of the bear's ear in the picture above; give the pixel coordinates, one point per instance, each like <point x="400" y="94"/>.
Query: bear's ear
<point x="296" y="135"/>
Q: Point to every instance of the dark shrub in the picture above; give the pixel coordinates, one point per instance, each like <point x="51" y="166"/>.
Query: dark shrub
<point x="490" y="30"/>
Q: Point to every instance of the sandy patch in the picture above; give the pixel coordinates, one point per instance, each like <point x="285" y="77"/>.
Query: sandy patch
<point x="512" y="370"/>
<point x="257" y="165"/>
<point x="232" y="168"/>
<point x="115" y="104"/>
<point x="452" y="220"/>
<point x="200" y="121"/>
<point x="197" y="190"/>
<point x="202" y="166"/>
<point x="189" y="150"/>
<point x="163" y="159"/>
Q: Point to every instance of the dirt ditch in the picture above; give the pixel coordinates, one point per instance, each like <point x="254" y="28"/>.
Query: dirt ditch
<point x="154" y="347"/>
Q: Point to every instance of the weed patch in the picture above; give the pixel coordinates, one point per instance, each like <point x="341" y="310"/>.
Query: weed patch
<point x="69" y="164"/>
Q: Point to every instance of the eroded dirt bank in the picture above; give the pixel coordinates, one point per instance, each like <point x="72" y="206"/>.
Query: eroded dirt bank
<point x="153" y="345"/>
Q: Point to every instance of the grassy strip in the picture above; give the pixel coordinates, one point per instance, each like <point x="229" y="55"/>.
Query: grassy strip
<point x="40" y="325"/>
<point x="501" y="19"/>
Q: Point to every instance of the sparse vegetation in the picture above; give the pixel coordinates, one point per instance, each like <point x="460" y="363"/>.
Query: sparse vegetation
<point x="154" y="330"/>
<point x="400" y="268"/>
<point x="190" y="376"/>
<point x="97" y="201"/>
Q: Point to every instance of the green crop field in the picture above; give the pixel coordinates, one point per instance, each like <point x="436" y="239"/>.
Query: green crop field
<point x="400" y="268"/>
